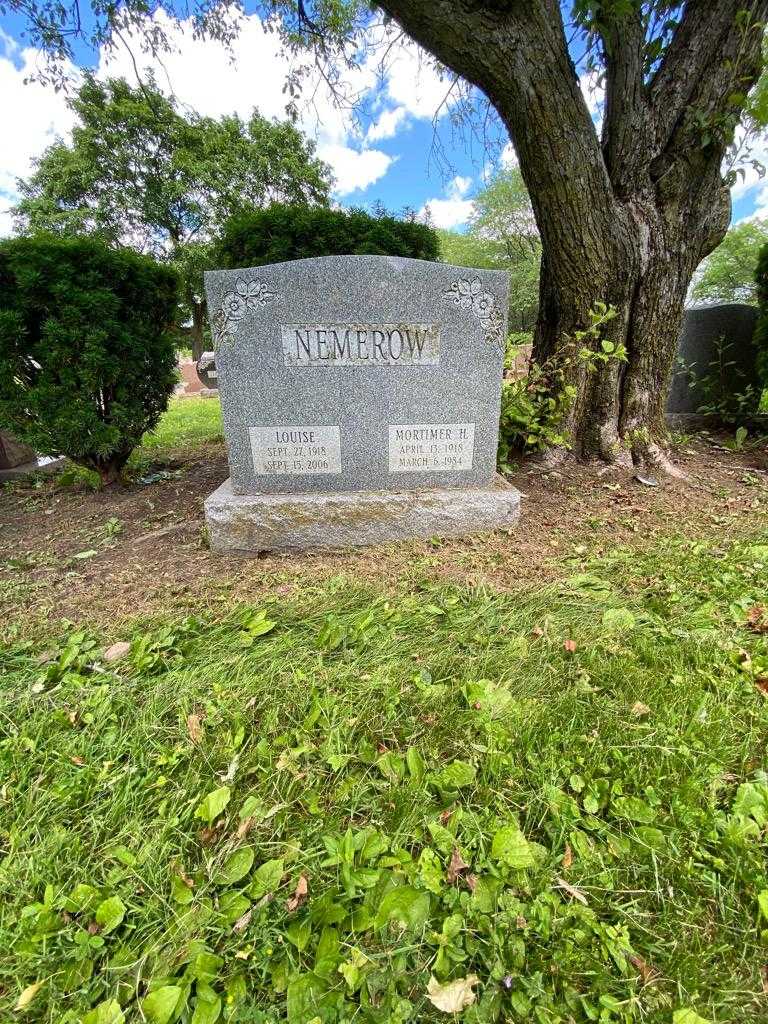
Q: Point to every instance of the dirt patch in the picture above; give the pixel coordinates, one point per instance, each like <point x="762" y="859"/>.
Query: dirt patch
<point x="104" y="557"/>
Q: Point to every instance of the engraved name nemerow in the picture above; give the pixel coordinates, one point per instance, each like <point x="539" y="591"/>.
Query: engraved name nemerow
<point x="361" y="344"/>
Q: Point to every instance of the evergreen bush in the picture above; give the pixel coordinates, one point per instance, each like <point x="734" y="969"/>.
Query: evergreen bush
<point x="280" y="233"/>
<point x="87" y="359"/>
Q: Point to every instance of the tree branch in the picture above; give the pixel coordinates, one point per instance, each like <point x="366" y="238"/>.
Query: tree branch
<point x="518" y="56"/>
<point x="697" y="51"/>
<point x="626" y="107"/>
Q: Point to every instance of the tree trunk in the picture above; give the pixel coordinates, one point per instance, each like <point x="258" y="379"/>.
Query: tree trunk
<point x="196" y="332"/>
<point x="626" y="218"/>
<point x="642" y="270"/>
<point x="109" y="467"/>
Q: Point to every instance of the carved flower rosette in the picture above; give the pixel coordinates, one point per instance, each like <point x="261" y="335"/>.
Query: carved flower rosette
<point x="470" y="295"/>
<point x="247" y="297"/>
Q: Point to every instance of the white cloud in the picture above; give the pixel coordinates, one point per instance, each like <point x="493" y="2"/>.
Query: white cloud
<point x="387" y="125"/>
<point x="453" y="209"/>
<point x="508" y="157"/>
<point x="412" y="82"/>
<point x="32" y="116"/>
<point x="354" y="169"/>
<point x="203" y="76"/>
<point x="593" y="92"/>
<point x="207" y="78"/>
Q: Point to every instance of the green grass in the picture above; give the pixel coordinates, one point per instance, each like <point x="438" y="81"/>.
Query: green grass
<point x="158" y="814"/>
<point x="187" y="423"/>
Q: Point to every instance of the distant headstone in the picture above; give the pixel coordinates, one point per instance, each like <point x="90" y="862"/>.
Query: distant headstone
<point x="714" y="339"/>
<point x="207" y="372"/>
<point x="13" y="453"/>
<point x="360" y="398"/>
<point x="17" y="459"/>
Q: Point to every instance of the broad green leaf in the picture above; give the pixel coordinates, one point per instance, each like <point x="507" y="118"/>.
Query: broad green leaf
<point x="633" y="808"/>
<point x="751" y="801"/>
<point x="108" y="1012"/>
<point x="762" y="903"/>
<point x="299" y="933"/>
<point x="207" y="1006"/>
<point x="233" y="904"/>
<point x="211" y="807"/>
<point x="159" y="1006"/>
<point x="405" y="905"/>
<point x="235" y="867"/>
<point x="258" y="624"/>
<point x="442" y="838"/>
<point x="431" y="871"/>
<point x="266" y="878"/>
<point x="486" y="894"/>
<point x="392" y="766"/>
<point x="618" y="620"/>
<point x="510" y="847"/>
<point x="456" y="775"/>
<point x="180" y="891"/>
<point x="83" y="897"/>
<point x="109" y="914"/>
<point x="415" y="763"/>
<point x="302" y="997"/>
<point x="205" y="967"/>
<point x="688" y="1017"/>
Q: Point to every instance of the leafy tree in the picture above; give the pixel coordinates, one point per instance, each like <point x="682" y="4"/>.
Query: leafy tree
<point x="281" y="232"/>
<point x="502" y="235"/>
<point x="87" y="356"/>
<point x="625" y="212"/>
<point x="728" y="274"/>
<point x="140" y="173"/>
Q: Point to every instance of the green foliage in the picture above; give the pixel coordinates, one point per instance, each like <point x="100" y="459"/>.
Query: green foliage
<point x="534" y="408"/>
<point x="280" y="233"/>
<point x="86" y="348"/>
<point x="728" y="274"/>
<point x="716" y="387"/>
<point x="141" y="173"/>
<point x="205" y="832"/>
<point x="502" y="235"/>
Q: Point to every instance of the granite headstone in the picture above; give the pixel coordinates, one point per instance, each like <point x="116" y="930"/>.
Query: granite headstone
<point x="207" y="372"/>
<point x="361" y="374"/>
<point x="714" y="339"/>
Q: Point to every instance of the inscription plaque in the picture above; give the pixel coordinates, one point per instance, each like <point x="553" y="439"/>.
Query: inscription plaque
<point x="361" y="344"/>
<point x="295" y="451"/>
<point x="421" y="447"/>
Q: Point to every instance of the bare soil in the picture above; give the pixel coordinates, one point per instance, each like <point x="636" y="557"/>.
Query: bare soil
<point x="101" y="558"/>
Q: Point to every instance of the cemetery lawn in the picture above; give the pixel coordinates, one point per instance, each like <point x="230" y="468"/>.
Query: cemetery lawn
<point x="528" y="769"/>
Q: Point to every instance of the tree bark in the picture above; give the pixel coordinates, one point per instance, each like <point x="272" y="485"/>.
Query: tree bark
<point x="196" y="331"/>
<point x="624" y="219"/>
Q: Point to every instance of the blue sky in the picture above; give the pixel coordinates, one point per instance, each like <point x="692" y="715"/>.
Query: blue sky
<point x="396" y="151"/>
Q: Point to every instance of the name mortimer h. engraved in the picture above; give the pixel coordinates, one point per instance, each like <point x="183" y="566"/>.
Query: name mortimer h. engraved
<point x="361" y="344"/>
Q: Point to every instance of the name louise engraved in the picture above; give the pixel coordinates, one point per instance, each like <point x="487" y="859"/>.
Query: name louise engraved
<point x="295" y="450"/>
<point x="360" y="344"/>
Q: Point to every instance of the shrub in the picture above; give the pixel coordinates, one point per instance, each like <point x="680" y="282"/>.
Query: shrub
<point x="761" y="328"/>
<point x="87" y="360"/>
<point x="281" y="233"/>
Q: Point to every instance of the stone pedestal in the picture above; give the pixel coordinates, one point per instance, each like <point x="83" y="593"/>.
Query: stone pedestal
<point x="249" y="523"/>
<point x="18" y="460"/>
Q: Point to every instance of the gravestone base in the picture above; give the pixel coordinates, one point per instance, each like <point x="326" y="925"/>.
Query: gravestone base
<point x="41" y="464"/>
<point x="249" y="523"/>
